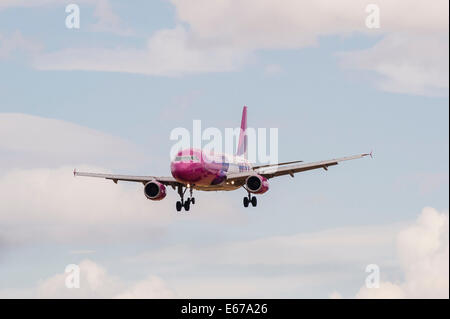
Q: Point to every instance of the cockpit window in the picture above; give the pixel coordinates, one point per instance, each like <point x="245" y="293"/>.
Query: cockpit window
<point x="186" y="158"/>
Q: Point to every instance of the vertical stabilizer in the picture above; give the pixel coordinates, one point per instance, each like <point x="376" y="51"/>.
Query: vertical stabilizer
<point x="242" y="146"/>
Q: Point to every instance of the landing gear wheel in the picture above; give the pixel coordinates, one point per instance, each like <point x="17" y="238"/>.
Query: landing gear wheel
<point x="187" y="205"/>
<point x="254" y="201"/>
<point x="193" y="201"/>
<point x="246" y="201"/>
<point x="179" y="206"/>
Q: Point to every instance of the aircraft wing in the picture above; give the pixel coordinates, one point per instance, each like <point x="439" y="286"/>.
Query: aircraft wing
<point x="280" y="170"/>
<point x="130" y="178"/>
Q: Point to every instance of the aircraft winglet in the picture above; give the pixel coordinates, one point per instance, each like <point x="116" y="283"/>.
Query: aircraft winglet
<point x="368" y="154"/>
<point x="371" y="154"/>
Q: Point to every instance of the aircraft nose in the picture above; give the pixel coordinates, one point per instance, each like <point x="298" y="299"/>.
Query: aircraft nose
<point x="188" y="172"/>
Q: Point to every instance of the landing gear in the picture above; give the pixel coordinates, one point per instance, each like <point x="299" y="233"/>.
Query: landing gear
<point x="182" y="203"/>
<point x="250" y="199"/>
<point x="187" y="205"/>
<point x="191" y="199"/>
<point x="254" y="201"/>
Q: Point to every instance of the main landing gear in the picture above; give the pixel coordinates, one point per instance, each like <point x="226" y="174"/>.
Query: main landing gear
<point x="250" y="199"/>
<point x="185" y="204"/>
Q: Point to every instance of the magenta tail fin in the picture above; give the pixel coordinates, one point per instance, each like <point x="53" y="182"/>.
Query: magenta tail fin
<point x="242" y="146"/>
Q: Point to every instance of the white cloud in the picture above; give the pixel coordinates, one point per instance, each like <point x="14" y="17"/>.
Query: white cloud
<point x="107" y="20"/>
<point x="96" y="282"/>
<point x="335" y="246"/>
<point x="275" y="266"/>
<point x="221" y="36"/>
<point x="169" y="52"/>
<point x="286" y="23"/>
<point x="423" y="251"/>
<point x="256" y="24"/>
<point x="50" y="204"/>
<point x="406" y="63"/>
<point x="33" y="141"/>
<point x="335" y="295"/>
<point x="319" y="259"/>
<point x="386" y="290"/>
<point x="26" y="132"/>
<point x="150" y="288"/>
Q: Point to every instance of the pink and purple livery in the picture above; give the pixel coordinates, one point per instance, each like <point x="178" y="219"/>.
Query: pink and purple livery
<point x="194" y="169"/>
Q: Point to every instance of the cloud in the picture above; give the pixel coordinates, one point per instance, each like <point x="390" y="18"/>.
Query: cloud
<point x="266" y="24"/>
<point x="169" y="52"/>
<point x="335" y="295"/>
<point x="96" y="282"/>
<point x="50" y="204"/>
<point x="423" y="251"/>
<point x="386" y="290"/>
<point x="33" y="141"/>
<point x="221" y="36"/>
<point x="149" y="288"/>
<point x="324" y="258"/>
<point x="108" y="21"/>
<point x="323" y="247"/>
<point x="406" y="63"/>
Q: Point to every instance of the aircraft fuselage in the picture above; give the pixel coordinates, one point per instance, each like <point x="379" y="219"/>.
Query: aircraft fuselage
<point x="207" y="171"/>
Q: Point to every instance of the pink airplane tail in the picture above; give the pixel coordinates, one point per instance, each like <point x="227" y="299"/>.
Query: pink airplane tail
<point x="242" y="146"/>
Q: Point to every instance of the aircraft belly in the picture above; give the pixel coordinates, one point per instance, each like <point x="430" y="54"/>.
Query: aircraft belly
<point x="217" y="187"/>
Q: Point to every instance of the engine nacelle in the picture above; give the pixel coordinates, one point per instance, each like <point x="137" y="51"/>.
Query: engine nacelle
<point x="154" y="190"/>
<point x="257" y="184"/>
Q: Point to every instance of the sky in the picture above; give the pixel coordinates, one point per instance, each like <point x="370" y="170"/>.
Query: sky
<point x="105" y="97"/>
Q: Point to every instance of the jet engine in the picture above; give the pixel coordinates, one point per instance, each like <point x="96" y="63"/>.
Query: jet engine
<point x="154" y="190"/>
<point x="257" y="184"/>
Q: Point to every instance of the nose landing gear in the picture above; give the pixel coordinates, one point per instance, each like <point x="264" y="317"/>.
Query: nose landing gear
<point x="182" y="203"/>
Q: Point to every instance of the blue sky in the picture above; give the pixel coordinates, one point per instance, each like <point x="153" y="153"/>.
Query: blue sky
<point x="114" y="90"/>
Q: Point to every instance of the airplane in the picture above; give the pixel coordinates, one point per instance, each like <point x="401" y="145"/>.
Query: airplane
<point x="195" y="169"/>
